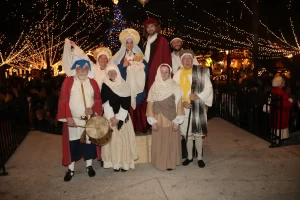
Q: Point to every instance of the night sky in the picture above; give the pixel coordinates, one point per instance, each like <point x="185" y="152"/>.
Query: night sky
<point x="275" y="16"/>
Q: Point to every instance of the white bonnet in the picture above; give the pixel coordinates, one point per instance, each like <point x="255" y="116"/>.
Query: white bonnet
<point x="277" y="81"/>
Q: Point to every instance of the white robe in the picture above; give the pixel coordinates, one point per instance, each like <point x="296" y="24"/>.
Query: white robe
<point x="121" y="152"/>
<point x="206" y="96"/>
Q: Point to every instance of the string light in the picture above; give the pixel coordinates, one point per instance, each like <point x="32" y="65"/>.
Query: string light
<point x="42" y="42"/>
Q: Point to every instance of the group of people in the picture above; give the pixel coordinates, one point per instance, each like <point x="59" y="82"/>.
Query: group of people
<point x="133" y="89"/>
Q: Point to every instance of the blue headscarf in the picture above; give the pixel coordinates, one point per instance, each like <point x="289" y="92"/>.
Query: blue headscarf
<point x="81" y="63"/>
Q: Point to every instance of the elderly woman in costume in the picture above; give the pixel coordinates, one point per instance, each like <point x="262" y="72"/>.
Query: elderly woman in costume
<point x="165" y="113"/>
<point x="121" y="152"/>
<point x="102" y="56"/>
<point x="197" y="94"/>
<point x="282" y="123"/>
<point x="79" y="99"/>
<point x="133" y="69"/>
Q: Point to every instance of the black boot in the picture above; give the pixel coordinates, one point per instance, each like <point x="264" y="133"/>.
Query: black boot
<point x="116" y="170"/>
<point x="123" y="170"/>
<point x="90" y="171"/>
<point x="201" y="164"/>
<point x="186" y="162"/>
<point x="69" y="175"/>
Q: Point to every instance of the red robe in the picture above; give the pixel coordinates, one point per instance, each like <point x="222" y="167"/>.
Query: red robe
<point x="65" y="112"/>
<point x="286" y="108"/>
<point x="162" y="54"/>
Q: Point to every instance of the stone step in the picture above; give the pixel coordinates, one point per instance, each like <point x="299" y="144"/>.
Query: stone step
<point x="144" y="148"/>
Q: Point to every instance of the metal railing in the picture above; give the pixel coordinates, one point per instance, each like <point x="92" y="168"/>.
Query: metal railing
<point x="14" y="123"/>
<point x="257" y="113"/>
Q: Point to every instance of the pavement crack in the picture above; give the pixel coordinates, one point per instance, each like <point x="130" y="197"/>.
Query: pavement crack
<point x="162" y="188"/>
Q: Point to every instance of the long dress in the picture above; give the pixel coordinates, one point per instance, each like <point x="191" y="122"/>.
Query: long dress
<point x="166" y="144"/>
<point x="138" y="115"/>
<point x="122" y="150"/>
<point x="282" y="116"/>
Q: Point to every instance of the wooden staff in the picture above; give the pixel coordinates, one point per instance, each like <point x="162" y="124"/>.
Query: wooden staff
<point x="84" y="102"/>
<point x="83" y="135"/>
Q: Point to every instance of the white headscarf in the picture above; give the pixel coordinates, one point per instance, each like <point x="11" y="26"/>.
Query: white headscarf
<point x="160" y="89"/>
<point x="119" y="85"/>
<point x="116" y="59"/>
<point x="277" y="81"/>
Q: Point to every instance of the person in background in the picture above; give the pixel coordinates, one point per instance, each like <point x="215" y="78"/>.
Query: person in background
<point x="282" y="123"/>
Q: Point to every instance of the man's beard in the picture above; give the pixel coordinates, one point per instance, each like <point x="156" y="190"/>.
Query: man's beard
<point x="152" y="33"/>
<point x="81" y="77"/>
<point x="176" y="49"/>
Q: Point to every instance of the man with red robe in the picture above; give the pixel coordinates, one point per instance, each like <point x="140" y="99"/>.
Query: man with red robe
<point x="79" y="99"/>
<point x="156" y="49"/>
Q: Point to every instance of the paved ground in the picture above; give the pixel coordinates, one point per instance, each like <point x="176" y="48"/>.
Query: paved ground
<point x="239" y="166"/>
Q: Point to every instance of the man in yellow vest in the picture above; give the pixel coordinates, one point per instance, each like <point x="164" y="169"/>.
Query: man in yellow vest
<point x="197" y="94"/>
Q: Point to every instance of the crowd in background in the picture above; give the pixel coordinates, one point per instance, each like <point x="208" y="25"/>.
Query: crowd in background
<point x="39" y="99"/>
<point x="261" y="87"/>
<point x="42" y="98"/>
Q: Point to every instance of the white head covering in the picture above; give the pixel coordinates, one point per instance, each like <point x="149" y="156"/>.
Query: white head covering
<point x="116" y="59"/>
<point x="160" y="89"/>
<point x="277" y="81"/>
<point x="176" y="38"/>
<point x="186" y="52"/>
<point x="119" y="85"/>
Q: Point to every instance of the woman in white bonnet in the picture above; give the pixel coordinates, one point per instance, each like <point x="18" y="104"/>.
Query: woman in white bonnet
<point x="282" y="123"/>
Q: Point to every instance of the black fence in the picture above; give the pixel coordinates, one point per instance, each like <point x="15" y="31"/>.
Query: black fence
<point x="255" y="112"/>
<point x="14" y="125"/>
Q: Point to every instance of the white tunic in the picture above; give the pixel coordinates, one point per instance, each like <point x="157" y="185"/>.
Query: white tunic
<point x="77" y="108"/>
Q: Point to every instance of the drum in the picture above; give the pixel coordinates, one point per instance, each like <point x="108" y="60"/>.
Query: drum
<point x="99" y="131"/>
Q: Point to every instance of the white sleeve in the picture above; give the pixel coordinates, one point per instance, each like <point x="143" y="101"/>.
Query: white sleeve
<point x="80" y="53"/>
<point x="62" y="120"/>
<point x="207" y="94"/>
<point x="122" y="114"/>
<point x="67" y="58"/>
<point x="176" y="77"/>
<point x="108" y="111"/>
<point x="151" y="120"/>
<point x="70" y="55"/>
<point x="178" y="119"/>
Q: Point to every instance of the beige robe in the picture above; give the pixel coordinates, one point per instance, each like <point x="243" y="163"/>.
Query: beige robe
<point x="166" y="144"/>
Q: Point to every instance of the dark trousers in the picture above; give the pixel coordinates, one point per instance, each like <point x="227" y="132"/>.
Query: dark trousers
<point x="78" y="150"/>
